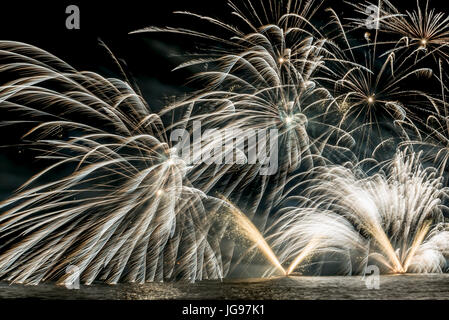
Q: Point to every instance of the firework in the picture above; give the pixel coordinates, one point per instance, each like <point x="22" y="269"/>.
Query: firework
<point x="378" y="92"/>
<point x="124" y="211"/>
<point x="423" y="31"/>
<point x="393" y="219"/>
<point x="129" y="197"/>
<point x="263" y="81"/>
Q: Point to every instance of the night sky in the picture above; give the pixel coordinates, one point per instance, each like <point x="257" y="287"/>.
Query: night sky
<point x="149" y="58"/>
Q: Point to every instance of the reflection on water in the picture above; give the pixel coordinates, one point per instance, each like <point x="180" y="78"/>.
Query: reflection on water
<point x="292" y="288"/>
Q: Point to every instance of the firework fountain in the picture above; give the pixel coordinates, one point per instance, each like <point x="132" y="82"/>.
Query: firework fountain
<point x="393" y="219"/>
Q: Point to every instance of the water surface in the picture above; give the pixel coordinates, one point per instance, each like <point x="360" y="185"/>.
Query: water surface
<point x="401" y="287"/>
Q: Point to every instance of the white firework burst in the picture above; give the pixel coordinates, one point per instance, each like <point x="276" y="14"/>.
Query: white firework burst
<point x="125" y="210"/>
<point x="394" y="219"/>
<point x="262" y="80"/>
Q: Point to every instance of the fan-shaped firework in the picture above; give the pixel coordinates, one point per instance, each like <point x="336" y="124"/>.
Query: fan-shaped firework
<point x="124" y="211"/>
<point x="394" y="219"/>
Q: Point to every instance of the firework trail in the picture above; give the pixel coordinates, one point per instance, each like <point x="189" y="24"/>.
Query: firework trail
<point x="422" y="32"/>
<point x="378" y="90"/>
<point x="420" y="36"/>
<point x="393" y="218"/>
<point x="263" y="80"/>
<point x="124" y="211"/>
<point x="124" y="202"/>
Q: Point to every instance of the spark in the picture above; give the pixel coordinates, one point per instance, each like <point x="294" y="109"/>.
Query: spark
<point x="393" y="219"/>
<point x="288" y="120"/>
<point x="132" y="210"/>
<point x="310" y="248"/>
<point x="250" y="231"/>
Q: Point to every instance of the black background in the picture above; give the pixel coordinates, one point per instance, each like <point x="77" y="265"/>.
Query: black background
<point x="150" y="58"/>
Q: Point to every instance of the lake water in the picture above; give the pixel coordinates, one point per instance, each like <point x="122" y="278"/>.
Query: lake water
<point x="291" y="288"/>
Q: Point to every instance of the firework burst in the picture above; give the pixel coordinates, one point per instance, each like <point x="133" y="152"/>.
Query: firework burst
<point x="124" y="211"/>
<point x="423" y="31"/>
<point x="393" y="219"/>
<point x="125" y="202"/>
<point x="264" y="80"/>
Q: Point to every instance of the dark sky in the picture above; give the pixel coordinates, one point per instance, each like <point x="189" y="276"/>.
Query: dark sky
<point x="150" y="58"/>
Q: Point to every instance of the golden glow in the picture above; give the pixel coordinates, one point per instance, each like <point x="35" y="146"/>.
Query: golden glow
<point x="303" y="255"/>
<point x="281" y="60"/>
<point x="419" y="238"/>
<point x="371" y="99"/>
<point x="251" y="232"/>
<point x="381" y="238"/>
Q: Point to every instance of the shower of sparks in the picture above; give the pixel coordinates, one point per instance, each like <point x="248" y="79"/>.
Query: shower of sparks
<point x="394" y="218"/>
<point x="250" y="231"/>
<point x="362" y="151"/>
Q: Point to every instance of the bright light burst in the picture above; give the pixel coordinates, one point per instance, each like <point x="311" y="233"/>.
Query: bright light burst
<point x="260" y="80"/>
<point x="124" y="211"/>
<point x="393" y="219"/>
<point x="424" y="30"/>
<point x="122" y="203"/>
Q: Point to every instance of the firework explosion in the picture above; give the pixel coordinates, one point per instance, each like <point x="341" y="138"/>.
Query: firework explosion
<point x="359" y="152"/>
<point x="395" y="218"/>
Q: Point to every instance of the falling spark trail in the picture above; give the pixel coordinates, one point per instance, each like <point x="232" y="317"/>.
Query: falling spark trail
<point x="251" y="232"/>
<point x="420" y="236"/>
<point x="303" y="255"/>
